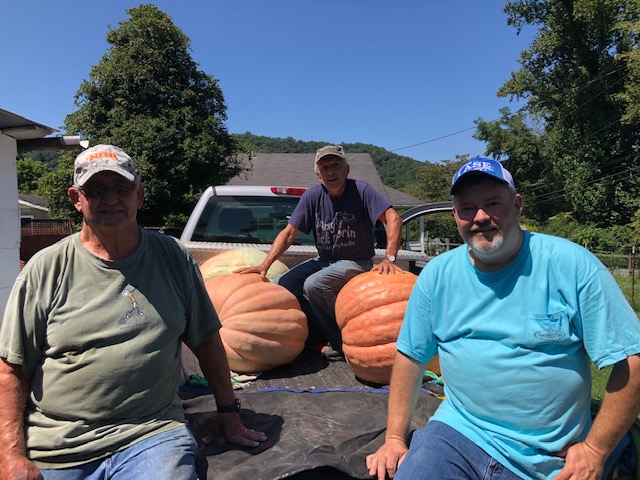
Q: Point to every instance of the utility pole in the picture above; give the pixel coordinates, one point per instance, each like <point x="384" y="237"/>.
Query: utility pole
<point x="633" y="275"/>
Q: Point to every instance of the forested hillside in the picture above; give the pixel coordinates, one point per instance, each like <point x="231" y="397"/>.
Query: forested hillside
<point x="397" y="171"/>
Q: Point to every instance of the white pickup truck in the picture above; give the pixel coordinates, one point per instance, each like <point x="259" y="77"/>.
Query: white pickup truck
<point x="229" y="217"/>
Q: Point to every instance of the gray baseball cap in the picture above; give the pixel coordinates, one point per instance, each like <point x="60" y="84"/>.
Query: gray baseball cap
<point x="103" y="158"/>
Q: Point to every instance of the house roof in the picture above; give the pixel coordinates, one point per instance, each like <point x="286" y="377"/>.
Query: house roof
<point x="296" y="170"/>
<point x="33" y="201"/>
<point x="22" y="128"/>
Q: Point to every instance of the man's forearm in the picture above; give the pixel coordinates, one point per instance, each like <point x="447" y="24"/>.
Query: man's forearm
<point x="393" y="226"/>
<point x="215" y="366"/>
<point x="14" y="385"/>
<point x="280" y="245"/>
<point x="620" y="407"/>
<point x="406" y="379"/>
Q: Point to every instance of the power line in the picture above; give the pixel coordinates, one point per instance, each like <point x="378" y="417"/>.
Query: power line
<point x="606" y="72"/>
<point x="559" y="194"/>
<point x="434" y="139"/>
<point x="602" y="166"/>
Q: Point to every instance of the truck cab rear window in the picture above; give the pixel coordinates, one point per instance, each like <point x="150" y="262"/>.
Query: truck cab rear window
<point x="247" y="220"/>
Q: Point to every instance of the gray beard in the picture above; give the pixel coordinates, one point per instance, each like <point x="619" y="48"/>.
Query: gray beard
<point x="485" y="252"/>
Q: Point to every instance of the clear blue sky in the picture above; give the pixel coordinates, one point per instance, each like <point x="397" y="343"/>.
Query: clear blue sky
<point x="394" y="74"/>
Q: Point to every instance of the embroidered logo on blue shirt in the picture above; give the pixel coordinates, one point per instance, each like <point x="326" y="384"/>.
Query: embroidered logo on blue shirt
<point x="550" y="335"/>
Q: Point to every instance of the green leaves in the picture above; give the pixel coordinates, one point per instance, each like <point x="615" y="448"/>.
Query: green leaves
<point x="580" y="78"/>
<point x="148" y="97"/>
<point x="29" y="173"/>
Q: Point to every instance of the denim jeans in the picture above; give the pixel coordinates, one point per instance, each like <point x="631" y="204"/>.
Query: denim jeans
<point x="439" y="452"/>
<point x="166" y="456"/>
<point x="316" y="284"/>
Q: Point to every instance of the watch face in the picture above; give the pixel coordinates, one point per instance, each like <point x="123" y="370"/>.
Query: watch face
<point x="391" y="258"/>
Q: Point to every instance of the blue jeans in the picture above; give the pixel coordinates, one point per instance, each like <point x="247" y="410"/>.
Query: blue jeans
<point x="316" y="284"/>
<point x="439" y="452"/>
<point x="166" y="456"/>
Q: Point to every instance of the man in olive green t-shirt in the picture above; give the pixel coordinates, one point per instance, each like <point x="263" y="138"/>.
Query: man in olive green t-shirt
<point x="90" y="344"/>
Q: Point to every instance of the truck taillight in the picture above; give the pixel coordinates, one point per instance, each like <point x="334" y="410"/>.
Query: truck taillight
<point x="287" y="190"/>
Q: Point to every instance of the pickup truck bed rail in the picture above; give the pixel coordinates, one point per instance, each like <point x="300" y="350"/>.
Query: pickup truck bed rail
<point x="406" y="259"/>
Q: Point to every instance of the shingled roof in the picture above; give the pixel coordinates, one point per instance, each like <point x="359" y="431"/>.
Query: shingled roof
<point x="296" y="170"/>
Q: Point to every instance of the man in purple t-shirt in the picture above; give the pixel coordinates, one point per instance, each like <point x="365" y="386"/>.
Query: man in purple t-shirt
<point x="342" y="213"/>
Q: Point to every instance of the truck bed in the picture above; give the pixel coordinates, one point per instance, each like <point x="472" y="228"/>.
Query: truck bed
<point x="320" y="419"/>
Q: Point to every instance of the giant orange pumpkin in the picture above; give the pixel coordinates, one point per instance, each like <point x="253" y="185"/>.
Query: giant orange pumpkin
<point x="262" y="324"/>
<point x="230" y="260"/>
<point x="369" y="312"/>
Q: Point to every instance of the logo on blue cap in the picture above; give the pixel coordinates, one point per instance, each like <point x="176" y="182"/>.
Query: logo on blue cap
<point x="486" y="166"/>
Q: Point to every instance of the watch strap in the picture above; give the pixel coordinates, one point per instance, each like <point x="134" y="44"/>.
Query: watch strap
<point x="232" y="407"/>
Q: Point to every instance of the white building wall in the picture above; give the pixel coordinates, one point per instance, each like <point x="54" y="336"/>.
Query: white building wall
<point x="9" y="219"/>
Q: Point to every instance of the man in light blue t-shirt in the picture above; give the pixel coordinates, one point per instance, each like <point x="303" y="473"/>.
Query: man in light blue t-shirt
<point x="517" y="318"/>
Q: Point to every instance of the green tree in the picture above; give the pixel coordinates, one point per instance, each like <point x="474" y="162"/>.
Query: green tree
<point x="147" y="96"/>
<point x="635" y="228"/>
<point x="433" y="180"/>
<point x="516" y="140"/>
<point x="54" y="185"/>
<point x="573" y="77"/>
<point x="630" y="96"/>
<point x="618" y="238"/>
<point x="30" y="171"/>
<point x="433" y="184"/>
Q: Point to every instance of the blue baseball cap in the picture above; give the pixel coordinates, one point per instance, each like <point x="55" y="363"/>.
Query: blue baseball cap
<point x="487" y="166"/>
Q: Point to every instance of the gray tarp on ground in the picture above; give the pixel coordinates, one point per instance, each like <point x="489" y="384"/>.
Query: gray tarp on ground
<point x="315" y="415"/>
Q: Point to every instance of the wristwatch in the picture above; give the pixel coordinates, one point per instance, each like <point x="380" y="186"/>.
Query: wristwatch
<point x="233" y="407"/>
<point x="391" y="258"/>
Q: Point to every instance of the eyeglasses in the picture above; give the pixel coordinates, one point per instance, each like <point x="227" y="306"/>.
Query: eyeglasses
<point x="122" y="189"/>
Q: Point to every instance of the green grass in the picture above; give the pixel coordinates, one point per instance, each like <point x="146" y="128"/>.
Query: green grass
<point x="631" y="290"/>
<point x="599" y="377"/>
<point x="599" y="380"/>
